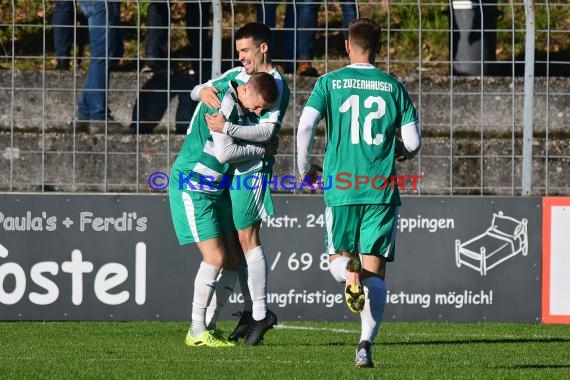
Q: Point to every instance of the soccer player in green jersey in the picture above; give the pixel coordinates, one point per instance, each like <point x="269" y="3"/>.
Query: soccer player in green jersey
<point x="249" y="206"/>
<point x="199" y="199"/>
<point x="370" y="121"/>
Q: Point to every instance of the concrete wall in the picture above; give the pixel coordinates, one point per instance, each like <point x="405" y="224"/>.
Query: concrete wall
<point x="43" y="151"/>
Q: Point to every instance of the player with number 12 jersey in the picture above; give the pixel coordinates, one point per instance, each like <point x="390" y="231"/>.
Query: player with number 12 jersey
<point x="361" y="126"/>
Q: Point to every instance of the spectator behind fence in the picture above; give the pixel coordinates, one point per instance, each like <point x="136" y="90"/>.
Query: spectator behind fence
<point x="106" y="43"/>
<point x="307" y="20"/>
<point x="197" y="17"/>
<point x="155" y="96"/>
<point x="170" y="81"/>
<point x="65" y="18"/>
<point x="282" y="40"/>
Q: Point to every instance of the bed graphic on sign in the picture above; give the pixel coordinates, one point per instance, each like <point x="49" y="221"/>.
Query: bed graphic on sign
<point x="505" y="238"/>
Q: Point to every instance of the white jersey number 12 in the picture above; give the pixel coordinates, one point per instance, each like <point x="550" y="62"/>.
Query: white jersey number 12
<point x="353" y="102"/>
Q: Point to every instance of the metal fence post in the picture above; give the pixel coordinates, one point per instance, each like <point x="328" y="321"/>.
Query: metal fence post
<point x="528" y="117"/>
<point x="216" y="39"/>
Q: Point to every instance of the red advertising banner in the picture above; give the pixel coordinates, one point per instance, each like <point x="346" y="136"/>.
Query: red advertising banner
<point x="556" y="260"/>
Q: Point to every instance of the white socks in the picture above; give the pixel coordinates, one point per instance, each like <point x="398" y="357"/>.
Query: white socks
<point x="371" y="316"/>
<point x="338" y="268"/>
<point x="257" y="281"/>
<point x="204" y="286"/>
<point x="375" y="291"/>
<point x="223" y="291"/>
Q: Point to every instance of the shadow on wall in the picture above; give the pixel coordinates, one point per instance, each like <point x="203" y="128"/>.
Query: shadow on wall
<point x="557" y="66"/>
<point x="155" y="97"/>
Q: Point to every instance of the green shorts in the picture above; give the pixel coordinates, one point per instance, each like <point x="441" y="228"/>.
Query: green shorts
<point x="251" y="198"/>
<point x="370" y="227"/>
<point x="199" y="215"/>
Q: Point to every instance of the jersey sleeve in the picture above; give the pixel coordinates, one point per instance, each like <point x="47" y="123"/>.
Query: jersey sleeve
<point x="222" y="81"/>
<point x="227" y="150"/>
<point x="408" y="110"/>
<point x="256" y="133"/>
<point x="216" y="82"/>
<point x="317" y="100"/>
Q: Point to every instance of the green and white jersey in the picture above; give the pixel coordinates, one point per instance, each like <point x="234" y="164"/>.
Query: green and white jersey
<point x="274" y="115"/>
<point x="363" y="107"/>
<point x="196" y="161"/>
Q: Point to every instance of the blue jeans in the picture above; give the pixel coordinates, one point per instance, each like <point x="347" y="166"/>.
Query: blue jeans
<point x="197" y="20"/>
<point x="63" y="21"/>
<point x="63" y="16"/>
<point x="307" y="13"/>
<point x="154" y="99"/>
<point x="281" y="41"/>
<point x="106" y="49"/>
<point x="157" y="21"/>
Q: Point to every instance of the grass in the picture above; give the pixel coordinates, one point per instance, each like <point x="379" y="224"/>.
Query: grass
<point x="294" y="351"/>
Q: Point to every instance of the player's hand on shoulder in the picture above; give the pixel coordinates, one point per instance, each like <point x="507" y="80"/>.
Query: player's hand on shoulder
<point x="215" y="122"/>
<point x="209" y="98"/>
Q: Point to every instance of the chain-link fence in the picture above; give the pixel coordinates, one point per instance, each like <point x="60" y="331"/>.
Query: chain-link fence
<point x="490" y="80"/>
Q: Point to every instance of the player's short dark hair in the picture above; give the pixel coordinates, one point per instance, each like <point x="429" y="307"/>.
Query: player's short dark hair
<point x="265" y="85"/>
<point x="259" y="32"/>
<point x="365" y="33"/>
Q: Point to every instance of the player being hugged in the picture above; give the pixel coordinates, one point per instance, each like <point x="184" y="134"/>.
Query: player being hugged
<point x="249" y="206"/>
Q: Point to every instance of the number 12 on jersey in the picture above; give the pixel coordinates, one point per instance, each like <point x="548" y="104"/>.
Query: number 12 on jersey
<point x="376" y="107"/>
